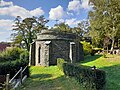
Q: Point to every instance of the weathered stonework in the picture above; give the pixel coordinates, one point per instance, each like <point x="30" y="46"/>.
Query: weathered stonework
<point x="50" y="45"/>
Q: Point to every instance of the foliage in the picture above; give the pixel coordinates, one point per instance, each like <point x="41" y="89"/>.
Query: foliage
<point x="81" y="29"/>
<point x="86" y="47"/>
<point x="84" y="28"/>
<point x="10" y="54"/>
<point x="92" y="79"/>
<point x="26" y="29"/>
<point x="12" y="59"/>
<point x="104" y="21"/>
<point x="24" y="55"/>
<point x="60" y="62"/>
<point x="11" y="67"/>
<point x="62" y="27"/>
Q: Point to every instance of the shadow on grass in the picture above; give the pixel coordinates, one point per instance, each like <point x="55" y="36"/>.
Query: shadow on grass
<point x="46" y="82"/>
<point x="112" y="77"/>
<point x="90" y="58"/>
<point x="43" y="76"/>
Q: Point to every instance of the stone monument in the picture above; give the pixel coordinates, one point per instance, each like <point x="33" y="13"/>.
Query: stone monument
<point x="51" y="45"/>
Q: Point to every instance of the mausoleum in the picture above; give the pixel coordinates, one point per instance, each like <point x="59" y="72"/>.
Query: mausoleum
<point x="51" y="45"/>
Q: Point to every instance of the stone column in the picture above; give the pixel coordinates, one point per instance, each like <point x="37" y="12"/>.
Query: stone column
<point x="38" y="45"/>
<point x="32" y="54"/>
<point x="72" y="54"/>
<point x="46" y="53"/>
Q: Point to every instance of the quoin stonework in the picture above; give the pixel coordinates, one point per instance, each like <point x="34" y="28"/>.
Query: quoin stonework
<point x="51" y="45"/>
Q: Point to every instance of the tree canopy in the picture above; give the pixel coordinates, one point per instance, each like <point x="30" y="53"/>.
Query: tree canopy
<point x="104" y="21"/>
<point x="26" y="29"/>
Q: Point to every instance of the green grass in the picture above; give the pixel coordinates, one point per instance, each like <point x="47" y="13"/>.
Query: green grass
<point x="48" y="78"/>
<point x="111" y="65"/>
<point x="51" y="78"/>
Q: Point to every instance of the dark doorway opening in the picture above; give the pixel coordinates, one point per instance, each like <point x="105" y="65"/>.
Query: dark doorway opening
<point x="39" y="54"/>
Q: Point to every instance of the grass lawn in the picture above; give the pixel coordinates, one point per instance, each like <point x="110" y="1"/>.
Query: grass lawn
<point x="51" y="78"/>
<point x="48" y="78"/>
<point x="111" y="65"/>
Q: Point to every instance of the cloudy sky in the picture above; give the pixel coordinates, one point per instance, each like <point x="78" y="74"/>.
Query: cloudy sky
<point x="69" y="11"/>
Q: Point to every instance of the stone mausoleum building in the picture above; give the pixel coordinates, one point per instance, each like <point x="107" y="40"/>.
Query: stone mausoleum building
<point x="51" y="45"/>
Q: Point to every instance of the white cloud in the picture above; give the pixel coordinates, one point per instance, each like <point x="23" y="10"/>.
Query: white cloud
<point x="61" y="21"/>
<point x="3" y="3"/>
<point x="74" y="5"/>
<point x="37" y="12"/>
<point x="15" y="11"/>
<point x="6" y="24"/>
<point x="72" y="22"/>
<point x="5" y="29"/>
<point x="56" y="13"/>
<point x="85" y="4"/>
<point x="69" y="13"/>
<point x="1" y="33"/>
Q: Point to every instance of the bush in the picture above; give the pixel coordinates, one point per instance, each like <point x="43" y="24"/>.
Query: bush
<point x="60" y="62"/>
<point x="10" y="54"/>
<point x="87" y="48"/>
<point x="89" y="78"/>
<point x="11" y="67"/>
<point x="24" y="55"/>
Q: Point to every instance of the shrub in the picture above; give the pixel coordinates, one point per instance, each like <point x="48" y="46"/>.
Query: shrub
<point x="60" y="62"/>
<point x="24" y="55"/>
<point x="10" y="54"/>
<point x="89" y="78"/>
<point x="87" y="48"/>
<point x="11" y="67"/>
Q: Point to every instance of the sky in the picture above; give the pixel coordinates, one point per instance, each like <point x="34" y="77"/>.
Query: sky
<point x="69" y="11"/>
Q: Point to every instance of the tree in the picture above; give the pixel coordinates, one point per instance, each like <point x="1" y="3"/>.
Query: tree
<point x="62" y="27"/>
<point x="84" y="28"/>
<point x="104" y="20"/>
<point x="26" y="29"/>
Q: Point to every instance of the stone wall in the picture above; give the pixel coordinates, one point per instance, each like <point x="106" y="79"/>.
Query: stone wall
<point x="59" y="49"/>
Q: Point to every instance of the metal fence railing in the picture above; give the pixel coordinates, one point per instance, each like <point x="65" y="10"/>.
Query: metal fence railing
<point x="13" y="83"/>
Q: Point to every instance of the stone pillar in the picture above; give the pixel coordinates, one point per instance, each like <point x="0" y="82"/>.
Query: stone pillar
<point x="72" y="54"/>
<point x="46" y="53"/>
<point x="32" y="54"/>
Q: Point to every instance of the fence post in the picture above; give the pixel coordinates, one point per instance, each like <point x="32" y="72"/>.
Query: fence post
<point x="21" y="75"/>
<point x="7" y="81"/>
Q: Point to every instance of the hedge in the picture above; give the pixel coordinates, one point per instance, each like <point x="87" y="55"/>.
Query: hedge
<point x="11" y="67"/>
<point x="87" y="47"/>
<point x="89" y="78"/>
<point x="10" y="54"/>
<point x="60" y="62"/>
